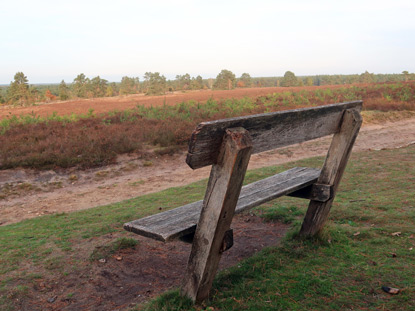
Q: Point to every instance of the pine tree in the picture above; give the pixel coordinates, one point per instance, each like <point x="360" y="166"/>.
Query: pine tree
<point x="18" y="92"/>
<point x="63" y="91"/>
<point x="225" y="80"/>
<point x="155" y="83"/>
<point x="289" y="79"/>
<point x="80" y="85"/>
<point x="246" y="80"/>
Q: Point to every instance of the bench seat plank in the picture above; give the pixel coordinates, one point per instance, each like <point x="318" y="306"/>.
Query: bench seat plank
<point x="182" y="220"/>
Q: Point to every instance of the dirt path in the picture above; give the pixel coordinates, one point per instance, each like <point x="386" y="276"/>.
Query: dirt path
<point x="30" y="194"/>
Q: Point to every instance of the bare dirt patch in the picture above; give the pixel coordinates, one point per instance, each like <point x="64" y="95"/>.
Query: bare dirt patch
<point x="132" y="276"/>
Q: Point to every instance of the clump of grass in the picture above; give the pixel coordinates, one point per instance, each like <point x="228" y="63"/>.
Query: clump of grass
<point x="281" y="213"/>
<point x="170" y="301"/>
<point x="105" y="251"/>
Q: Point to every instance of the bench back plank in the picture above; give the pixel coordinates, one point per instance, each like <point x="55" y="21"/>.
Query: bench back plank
<point x="268" y="130"/>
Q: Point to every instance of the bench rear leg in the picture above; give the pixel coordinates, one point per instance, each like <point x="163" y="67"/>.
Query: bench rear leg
<point x="225" y="183"/>
<point x="332" y="171"/>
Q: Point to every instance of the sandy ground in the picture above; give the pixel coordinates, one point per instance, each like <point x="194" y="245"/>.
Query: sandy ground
<point x="31" y="193"/>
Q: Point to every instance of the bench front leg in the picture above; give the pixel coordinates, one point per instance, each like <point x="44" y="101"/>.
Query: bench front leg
<point x="222" y="193"/>
<point x="332" y="171"/>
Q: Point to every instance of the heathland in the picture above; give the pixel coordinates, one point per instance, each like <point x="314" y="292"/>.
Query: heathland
<point x="92" y="139"/>
<point x="84" y="259"/>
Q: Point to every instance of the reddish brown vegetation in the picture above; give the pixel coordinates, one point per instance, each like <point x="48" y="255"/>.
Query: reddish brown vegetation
<point x="49" y="95"/>
<point x="97" y="140"/>
<point x="57" y="144"/>
<point x="101" y="105"/>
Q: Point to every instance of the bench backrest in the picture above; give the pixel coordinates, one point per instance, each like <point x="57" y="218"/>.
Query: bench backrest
<point x="268" y="130"/>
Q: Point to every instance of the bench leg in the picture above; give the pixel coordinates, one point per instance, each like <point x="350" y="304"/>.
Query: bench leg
<point x="332" y="171"/>
<point x="225" y="183"/>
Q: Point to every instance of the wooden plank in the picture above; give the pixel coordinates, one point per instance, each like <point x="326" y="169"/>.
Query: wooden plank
<point x="221" y="196"/>
<point x="178" y="222"/>
<point x="268" y="131"/>
<point x="276" y="186"/>
<point x="332" y="171"/>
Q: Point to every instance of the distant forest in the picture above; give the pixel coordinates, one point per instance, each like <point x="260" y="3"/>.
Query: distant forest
<point x="21" y="93"/>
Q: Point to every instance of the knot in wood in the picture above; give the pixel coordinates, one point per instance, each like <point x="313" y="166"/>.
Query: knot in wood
<point x="240" y="137"/>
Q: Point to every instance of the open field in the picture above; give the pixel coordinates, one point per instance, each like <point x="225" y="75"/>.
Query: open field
<point x="51" y="262"/>
<point x="102" y="105"/>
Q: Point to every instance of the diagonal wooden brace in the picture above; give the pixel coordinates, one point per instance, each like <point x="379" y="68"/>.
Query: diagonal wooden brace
<point x="224" y="187"/>
<point x="332" y="171"/>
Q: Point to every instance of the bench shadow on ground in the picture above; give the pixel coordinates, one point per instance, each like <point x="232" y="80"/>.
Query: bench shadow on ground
<point x="153" y="268"/>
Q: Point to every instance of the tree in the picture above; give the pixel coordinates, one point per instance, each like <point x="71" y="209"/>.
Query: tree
<point x="406" y="74"/>
<point x="129" y="85"/>
<point x="199" y="81"/>
<point x="196" y="83"/>
<point x="289" y="79"/>
<point x="309" y="81"/>
<point x="109" y="91"/>
<point x="183" y="82"/>
<point x="63" y="91"/>
<point x="34" y="95"/>
<point x="245" y="80"/>
<point x="18" y="92"/>
<point x="155" y="83"/>
<point x="225" y="80"/>
<point x="97" y="87"/>
<point x="367" y="77"/>
<point x="80" y="85"/>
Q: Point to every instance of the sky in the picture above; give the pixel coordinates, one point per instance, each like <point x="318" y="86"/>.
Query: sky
<point x="53" y="40"/>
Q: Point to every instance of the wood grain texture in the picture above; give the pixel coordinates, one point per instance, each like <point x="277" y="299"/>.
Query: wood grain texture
<point x="268" y="131"/>
<point x="332" y="171"/>
<point x="224" y="187"/>
<point x="178" y="222"/>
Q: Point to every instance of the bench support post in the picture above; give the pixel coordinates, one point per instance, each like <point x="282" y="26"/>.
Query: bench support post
<point x="224" y="186"/>
<point x="332" y="171"/>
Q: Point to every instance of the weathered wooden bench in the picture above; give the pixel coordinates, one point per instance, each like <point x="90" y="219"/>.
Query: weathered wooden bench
<point x="227" y="145"/>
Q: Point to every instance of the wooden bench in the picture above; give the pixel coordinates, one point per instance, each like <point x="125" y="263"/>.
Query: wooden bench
<point x="227" y="145"/>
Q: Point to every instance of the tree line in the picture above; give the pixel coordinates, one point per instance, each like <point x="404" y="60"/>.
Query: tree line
<point x="21" y="93"/>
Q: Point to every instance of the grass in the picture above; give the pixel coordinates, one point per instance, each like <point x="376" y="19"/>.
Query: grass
<point x="94" y="140"/>
<point x="344" y="268"/>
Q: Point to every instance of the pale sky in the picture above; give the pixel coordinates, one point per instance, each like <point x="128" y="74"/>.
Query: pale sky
<point x="54" y="40"/>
